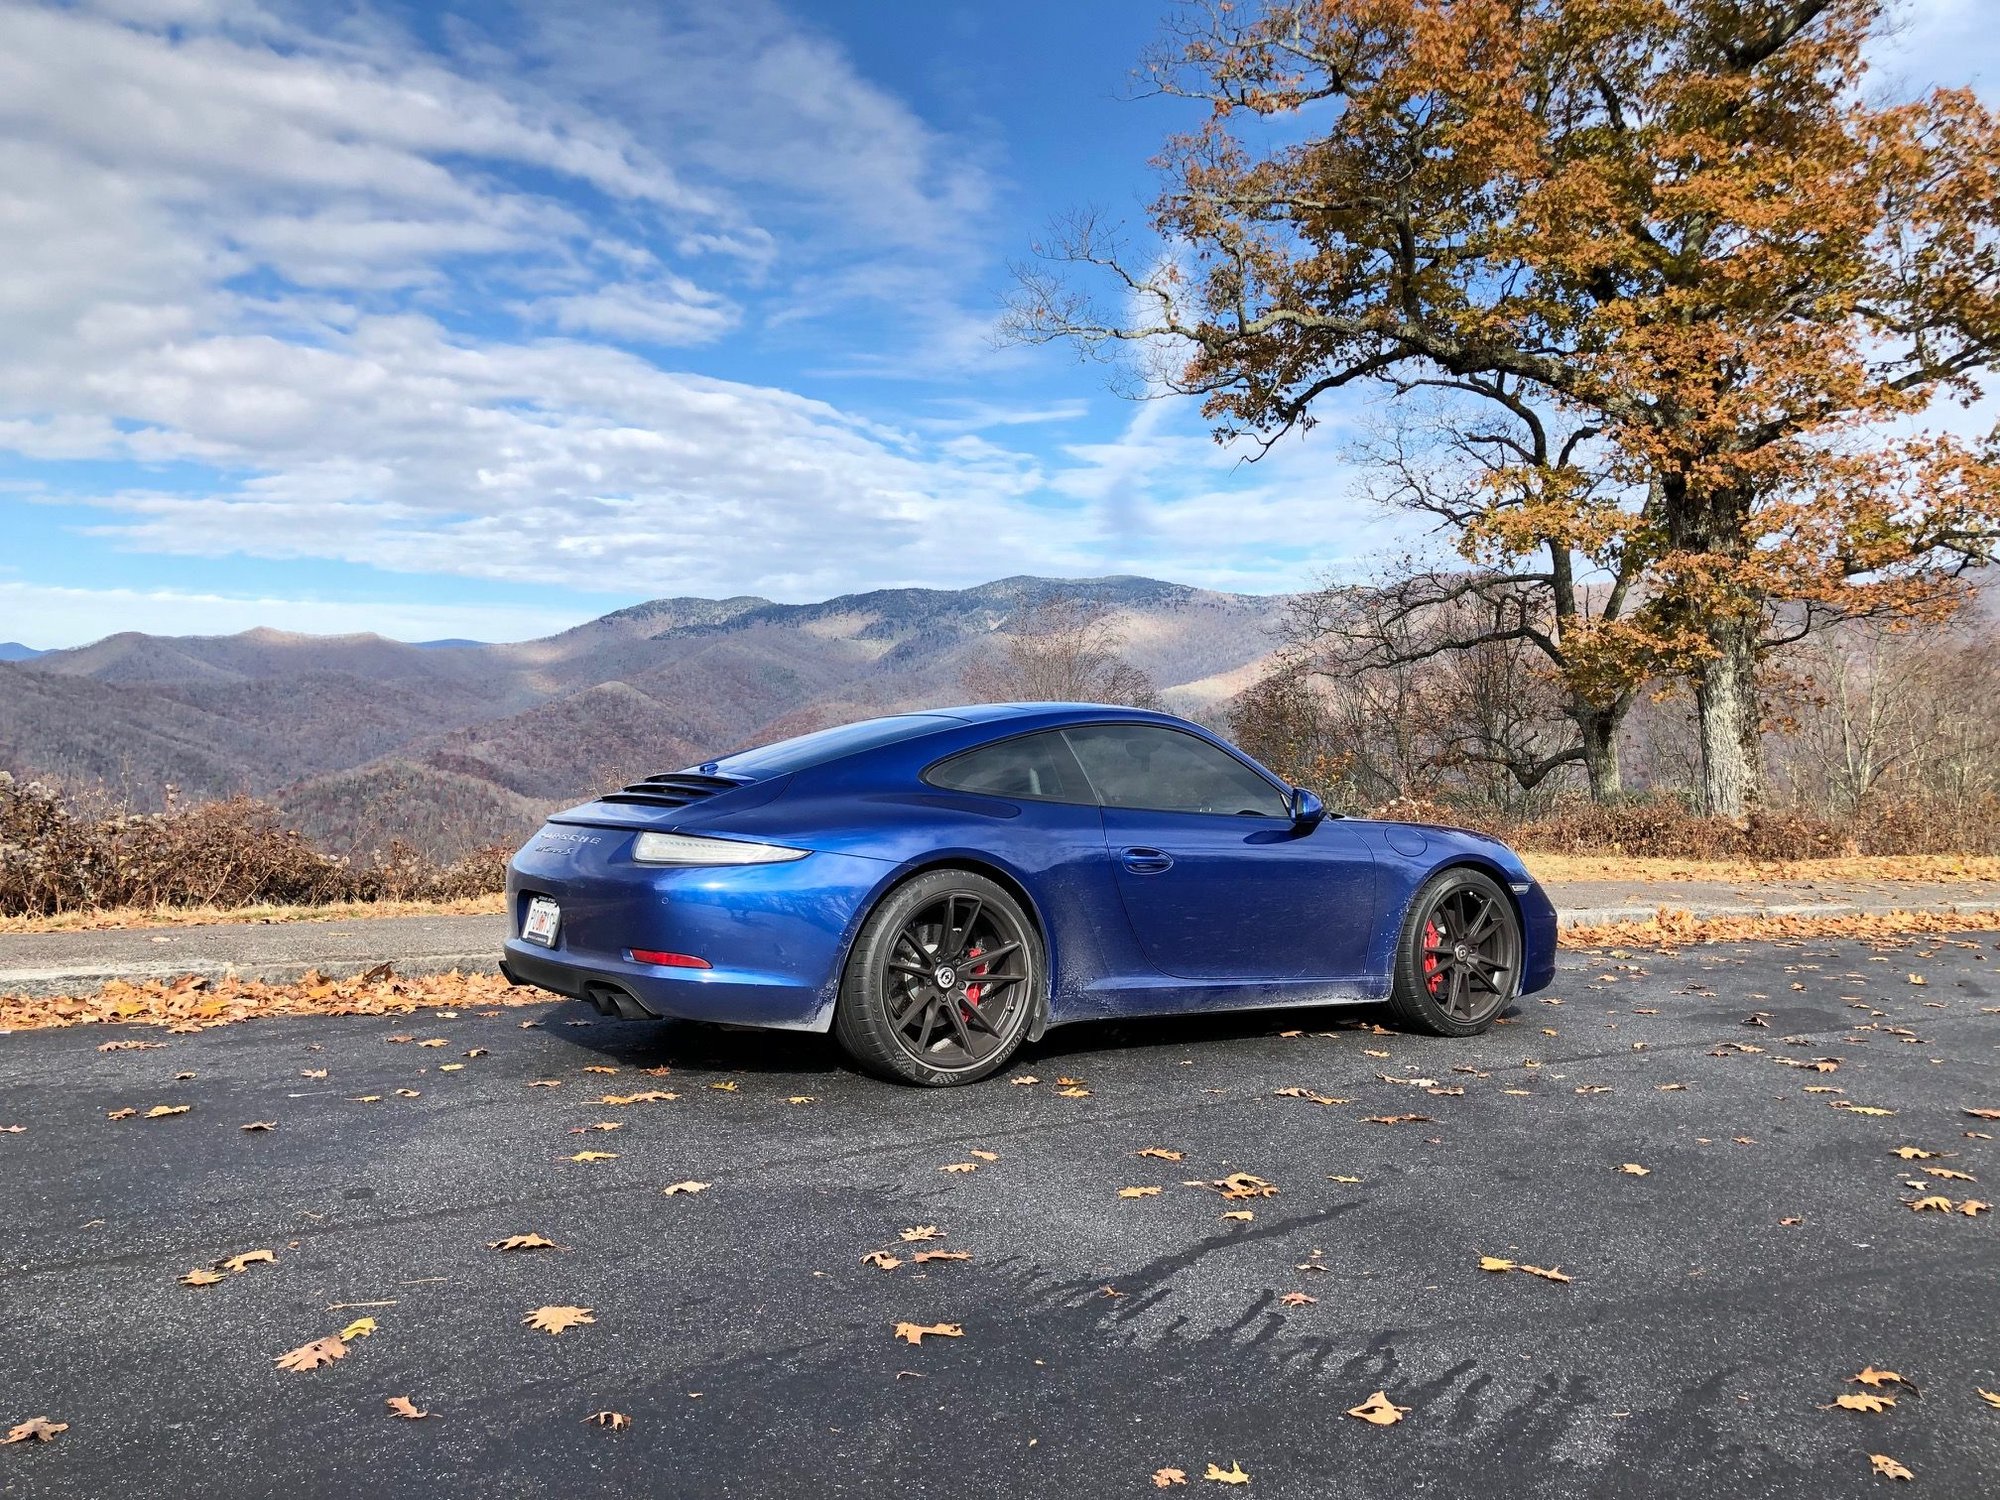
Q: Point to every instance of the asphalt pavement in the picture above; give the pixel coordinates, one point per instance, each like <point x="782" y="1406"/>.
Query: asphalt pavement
<point x="1715" y="1306"/>
<point x="60" y="963"/>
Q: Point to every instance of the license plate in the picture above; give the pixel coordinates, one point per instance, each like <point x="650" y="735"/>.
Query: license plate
<point x="540" y="926"/>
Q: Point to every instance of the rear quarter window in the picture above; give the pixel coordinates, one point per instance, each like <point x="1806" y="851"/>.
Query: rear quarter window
<point x="1038" y="767"/>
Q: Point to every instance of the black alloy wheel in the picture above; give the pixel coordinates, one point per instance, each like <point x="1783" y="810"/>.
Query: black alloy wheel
<point x="943" y="981"/>
<point x="1458" y="961"/>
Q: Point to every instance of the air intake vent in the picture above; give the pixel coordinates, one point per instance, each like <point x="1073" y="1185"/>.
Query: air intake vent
<point x="676" y="789"/>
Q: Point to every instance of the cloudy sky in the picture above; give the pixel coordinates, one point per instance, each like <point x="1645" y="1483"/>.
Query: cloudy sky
<point x="480" y="321"/>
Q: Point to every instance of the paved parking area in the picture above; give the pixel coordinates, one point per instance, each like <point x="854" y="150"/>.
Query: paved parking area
<point x="1714" y="1304"/>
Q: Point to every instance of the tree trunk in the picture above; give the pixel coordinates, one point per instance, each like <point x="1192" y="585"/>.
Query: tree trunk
<point x="1600" y="755"/>
<point x="1727" y="712"/>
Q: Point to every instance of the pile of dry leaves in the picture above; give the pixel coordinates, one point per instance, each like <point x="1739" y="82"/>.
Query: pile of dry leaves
<point x="192" y="1003"/>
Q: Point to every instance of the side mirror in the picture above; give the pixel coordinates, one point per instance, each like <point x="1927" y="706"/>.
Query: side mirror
<point x="1308" y="812"/>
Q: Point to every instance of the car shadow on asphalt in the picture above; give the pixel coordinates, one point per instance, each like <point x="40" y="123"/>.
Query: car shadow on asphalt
<point x="730" y="1049"/>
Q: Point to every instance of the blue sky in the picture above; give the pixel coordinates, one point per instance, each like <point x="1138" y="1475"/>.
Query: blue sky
<point x="480" y="321"/>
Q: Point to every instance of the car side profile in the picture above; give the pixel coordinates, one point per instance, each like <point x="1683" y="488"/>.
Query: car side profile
<point x="937" y="888"/>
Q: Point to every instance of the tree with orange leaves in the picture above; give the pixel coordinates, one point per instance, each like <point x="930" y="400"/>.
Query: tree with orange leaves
<point x="1678" y="226"/>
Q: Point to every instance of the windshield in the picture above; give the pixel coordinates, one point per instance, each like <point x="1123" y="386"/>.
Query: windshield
<point x="827" y="744"/>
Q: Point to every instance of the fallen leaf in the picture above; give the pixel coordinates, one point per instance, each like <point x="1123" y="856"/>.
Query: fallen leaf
<point x="1934" y="1202"/>
<point x="1948" y="1174"/>
<point x="545" y="1083"/>
<point x="1396" y="1120"/>
<point x="1552" y="1274"/>
<point x="1913" y="1153"/>
<point x="161" y="1111"/>
<point x="35" y="1429"/>
<point x="921" y="1232"/>
<point x="1138" y="1192"/>
<point x="1633" y="1169"/>
<point x="1073" y="1093"/>
<point x="1874" y="1377"/>
<point x="595" y="1156"/>
<point x="404" y="1407"/>
<point x="1858" y="1109"/>
<point x="959" y="1166"/>
<point x="553" y="1320"/>
<point x="523" y="1242"/>
<point x="930" y="1255"/>
<point x="1984" y="1114"/>
<point x="259" y="1125"/>
<point x="249" y="1258"/>
<point x="1972" y="1207"/>
<point x="1164" y="1477"/>
<point x="1239" y="1185"/>
<point x="1025" y="1080"/>
<point x="1991" y="1398"/>
<point x="649" y="1096"/>
<point x="360" y="1328"/>
<point x="674" y="1189"/>
<point x="311" y="1356"/>
<point x="1380" y="1410"/>
<point x="312" y="1072"/>
<point x="1161" y="1153"/>
<point x="1862" y="1401"/>
<point x="801" y="1098"/>
<point x="598" y="1068"/>
<point x="1495" y="1263"/>
<point x="913" y="1333"/>
<point x="201" y="1276"/>
<point x="435" y="1041"/>
<point x="881" y="1260"/>
<point x="1888" y="1468"/>
<point x="1232" y="1475"/>
<point x="1240" y="1215"/>
<point x="1297" y="1299"/>
<point x="615" y="1421"/>
<point x="129" y="1046"/>
<point x="725" y="1085"/>
<point x="985" y="1155"/>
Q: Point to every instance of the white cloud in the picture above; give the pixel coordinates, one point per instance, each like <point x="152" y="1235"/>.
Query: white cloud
<point x="391" y="300"/>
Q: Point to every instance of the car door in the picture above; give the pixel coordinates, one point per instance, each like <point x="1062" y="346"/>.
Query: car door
<point x="1216" y="880"/>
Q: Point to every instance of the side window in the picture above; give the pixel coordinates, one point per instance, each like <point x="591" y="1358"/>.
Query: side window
<point x="1038" y="766"/>
<point x="1137" y="765"/>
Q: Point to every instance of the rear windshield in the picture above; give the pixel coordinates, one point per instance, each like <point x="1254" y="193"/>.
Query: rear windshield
<point x="823" y="745"/>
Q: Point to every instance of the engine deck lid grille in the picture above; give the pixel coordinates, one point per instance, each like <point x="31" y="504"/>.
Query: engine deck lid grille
<point x="673" y="789"/>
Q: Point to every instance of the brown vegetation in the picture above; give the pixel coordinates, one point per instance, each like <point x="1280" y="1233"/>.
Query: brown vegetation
<point x="59" y="855"/>
<point x="195" y="1004"/>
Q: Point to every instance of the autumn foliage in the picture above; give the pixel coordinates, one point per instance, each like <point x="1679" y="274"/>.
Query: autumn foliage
<point x="1696" y="291"/>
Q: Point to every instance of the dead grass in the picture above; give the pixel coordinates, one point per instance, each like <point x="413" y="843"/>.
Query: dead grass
<point x="1561" y="868"/>
<point x="204" y="916"/>
<point x="1670" y="930"/>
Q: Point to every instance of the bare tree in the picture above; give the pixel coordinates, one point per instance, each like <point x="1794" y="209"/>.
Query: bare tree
<point x="1060" y="651"/>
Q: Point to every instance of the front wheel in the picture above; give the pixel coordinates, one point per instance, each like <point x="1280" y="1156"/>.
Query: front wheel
<point x="1458" y="958"/>
<point x="942" y="983"/>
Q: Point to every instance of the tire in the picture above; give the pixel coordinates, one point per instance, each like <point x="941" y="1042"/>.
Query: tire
<point x="1458" y="957"/>
<point x="943" y="982"/>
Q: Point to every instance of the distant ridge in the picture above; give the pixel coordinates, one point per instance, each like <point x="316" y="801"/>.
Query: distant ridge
<point x="456" y="743"/>
<point x="15" y="651"/>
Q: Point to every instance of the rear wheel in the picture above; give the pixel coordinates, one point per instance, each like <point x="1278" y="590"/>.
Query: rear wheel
<point x="942" y="983"/>
<point x="1458" y="959"/>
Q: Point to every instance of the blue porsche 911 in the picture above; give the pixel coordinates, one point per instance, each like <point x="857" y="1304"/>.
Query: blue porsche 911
<point x="935" y="888"/>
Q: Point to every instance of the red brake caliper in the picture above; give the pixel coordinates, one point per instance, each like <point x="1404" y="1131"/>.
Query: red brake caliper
<point x="1431" y="976"/>
<point x="972" y="990"/>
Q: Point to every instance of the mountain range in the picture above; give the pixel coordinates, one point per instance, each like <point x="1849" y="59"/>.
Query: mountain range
<point x="453" y="745"/>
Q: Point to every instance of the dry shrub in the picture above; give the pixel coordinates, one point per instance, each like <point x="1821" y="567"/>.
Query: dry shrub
<point x="58" y="854"/>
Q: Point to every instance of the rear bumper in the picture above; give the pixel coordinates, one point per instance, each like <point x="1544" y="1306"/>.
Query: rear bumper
<point x="774" y="935"/>
<point x="644" y="992"/>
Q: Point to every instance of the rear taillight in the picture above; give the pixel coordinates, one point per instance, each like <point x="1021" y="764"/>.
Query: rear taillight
<point x="666" y="960"/>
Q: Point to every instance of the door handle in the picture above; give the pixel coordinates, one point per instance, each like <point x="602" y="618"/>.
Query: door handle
<point x="1146" y="861"/>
